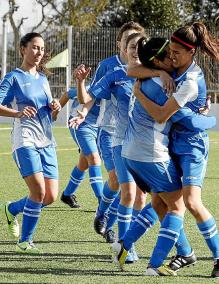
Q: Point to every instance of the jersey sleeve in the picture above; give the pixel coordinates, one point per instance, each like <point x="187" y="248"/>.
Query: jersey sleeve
<point x="193" y="121"/>
<point x="99" y="73"/>
<point x="72" y="93"/>
<point x="187" y="91"/>
<point x="103" y="88"/>
<point x="6" y="90"/>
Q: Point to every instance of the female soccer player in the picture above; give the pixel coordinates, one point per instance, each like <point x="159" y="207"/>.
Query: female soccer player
<point x="117" y="83"/>
<point x="145" y="147"/>
<point x="33" y="144"/>
<point x="190" y="150"/>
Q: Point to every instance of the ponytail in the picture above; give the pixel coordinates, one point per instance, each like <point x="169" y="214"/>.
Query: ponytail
<point x="197" y="35"/>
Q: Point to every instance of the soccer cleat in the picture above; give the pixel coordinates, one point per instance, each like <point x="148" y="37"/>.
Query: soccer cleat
<point x="100" y="223"/>
<point x="120" y="254"/>
<point x="70" y="201"/>
<point x="163" y="270"/>
<point x="110" y="236"/>
<point x="13" y="226"/>
<point x="27" y="248"/>
<point x="134" y="253"/>
<point x="215" y="271"/>
<point x="179" y="261"/>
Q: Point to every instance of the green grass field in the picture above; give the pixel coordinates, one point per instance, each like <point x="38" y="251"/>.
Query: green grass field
<point x="72" y="251"/>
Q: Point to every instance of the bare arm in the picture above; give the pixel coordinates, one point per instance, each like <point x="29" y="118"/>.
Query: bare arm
<point x="81" y="74"/>
<point x="159" y="113"/>
<point x="62" y="101"/>
<point x="28" y="111"/>
<point x="142" y="72"/>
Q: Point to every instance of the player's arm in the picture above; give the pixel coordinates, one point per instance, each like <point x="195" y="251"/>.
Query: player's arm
<point x="77" y="120"/>
<point x="193" y="121"/>
<point x="188" y="91"/>
<point x="6" y="96"/>
<point x="142" y="72"/>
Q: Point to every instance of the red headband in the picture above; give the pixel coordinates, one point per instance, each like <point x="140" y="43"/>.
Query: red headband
<point x="182" y="42"/>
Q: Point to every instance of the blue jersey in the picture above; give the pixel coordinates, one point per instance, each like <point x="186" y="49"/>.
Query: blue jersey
<point x="92" y="115"/>
<point x="20" y="89"/>
<point x="106" y="119"/>
<point x="146" y="140"/>
<point x="190" y="91"/>
<point x="120" y="85"/>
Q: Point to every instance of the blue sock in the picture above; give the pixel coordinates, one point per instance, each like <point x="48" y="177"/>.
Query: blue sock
<point x="76" y="178"/>
<point x="209" y="231"/>
<point x="182" y="245"/>
<point x="107" y="199"/>
<point x="31" y="216"/>
<point x="96" y="181"/>
<point x="144" y="221"/>
<point x="17" y="207"/>
<point x="168" y="235"/>
<point x="112" y="213"/>
<point x="134" y="216"/>
<point x="124" y="217"/>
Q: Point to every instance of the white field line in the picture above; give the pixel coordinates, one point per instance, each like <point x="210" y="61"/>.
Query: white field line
<point x="57" y="149"/>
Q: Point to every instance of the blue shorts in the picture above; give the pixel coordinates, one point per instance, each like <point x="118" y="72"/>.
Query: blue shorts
<point x="104" y="142"/>
<point x="124" y="176"/>
<point x="31" y="160"/>
<point x="159" y="177"/>
<point x="190" y="153"/>
<point x="86" y="138"/>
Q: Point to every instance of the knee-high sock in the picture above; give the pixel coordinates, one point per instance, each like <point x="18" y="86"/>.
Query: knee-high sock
<point x="112" y="213"/>
<point x="182" y="245"/>
<point x="31" y="216"/>
<point x="209" y="231"/>
<point x="96" y="181"/>
<point x="107" y="199"/>
<point x="124" y="217"/>
<point x="76" y="178"/>
<point x="168" y="235"/>
<point x="17" y="207"/>
<point x="144" y="221"/>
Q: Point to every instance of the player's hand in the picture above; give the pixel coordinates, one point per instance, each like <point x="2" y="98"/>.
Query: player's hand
<point x="136" y="89"/>
<point x="74" y="122"/>
<point x="28" y="112"/>
<point x="81" y="72"/>
<point x="55" y="105"/>
<point x="168" y="82"/>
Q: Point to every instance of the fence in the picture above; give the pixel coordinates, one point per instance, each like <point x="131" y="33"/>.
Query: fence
<point x="91" y="46"/>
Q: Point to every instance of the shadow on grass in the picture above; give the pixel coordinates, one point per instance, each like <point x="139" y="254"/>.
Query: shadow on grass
<point x="48" y="257"/>
<point x="70" y="242"/>
<point x="81" y="272"/>
<point x="57" y="208"/>
<point x="68" y="272"/>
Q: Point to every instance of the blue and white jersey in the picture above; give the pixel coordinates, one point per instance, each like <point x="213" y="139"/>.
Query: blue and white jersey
<point x="148" y="141"/>
<point x="190" y="91"/>
<point x="92" y="115"/>
<point x="106" y="119"/>
<point x="20" y="89"/>
<point x="145" y="139"/>
<point x="120" y="85"/>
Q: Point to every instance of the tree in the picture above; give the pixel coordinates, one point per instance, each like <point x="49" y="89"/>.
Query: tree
<point x="150" y="13"/>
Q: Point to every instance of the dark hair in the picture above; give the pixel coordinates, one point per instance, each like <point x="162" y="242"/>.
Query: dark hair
<point x="150" y="49"/>
<point x="129" y="26"/>
<point x="132" y="36"/>
<point x="23" y="43"/>
<point x="196" y="35"/>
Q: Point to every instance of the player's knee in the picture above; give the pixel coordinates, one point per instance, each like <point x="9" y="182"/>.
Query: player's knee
<point x="193" y="205"/>
<point x="94" y="159"/>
